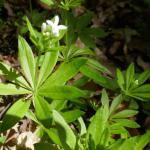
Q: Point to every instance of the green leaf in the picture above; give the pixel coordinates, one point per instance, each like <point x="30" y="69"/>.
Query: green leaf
<point x="20" y="80"/>
<point x="97" y="126"/>
<point x="142" y="89"/>
<point x="125" y="114"/>
<point x="43" y="111"/>
<point x="83" y="51"/>
<point x="63" y="92"/>
<point x="117" y="128"/>
<point x="84" y="20"/>
<point x="130" y="142"/>
<point x="32" y="32"/>
<point x="49" y="62"/>
<point x="105" y="137"/>
<point x="26" y="59"/>
<point x="115" y="103"/>
<point x="82" y="127"/>
<point x="95" y="64"/>
<point x="54" y="49"/>
<point x="143" y="77"/>
<point x="12" y="75"/>
<point x="127" y="123"/>
<point x="44" y="146"/>
<point x="52" y="133"/>
<point x="105" y="99"/>
<point x="141" y="93"/>
<point x="29" y="114"/>
<point x="129" y="76"/>
<point x="48" y="2"/>
<point x="76" y="51"/>
<point x="96" y="32"/>
<point x="143" y="141"/>
<point x="14" y="114"/>
<point x="58" y="105"/>
<point x="141" y="96"/>
<point x="116" y="145"/>
<point x="120" y="79"/>
<point x="81" y="81"/>
<point x="87" y="39"/>
<point x="64" y="73"/>
<point x="70" y="4"/>
<point x="11" y="89"/>
<point x="72" y="115"/>
<point x="65" y="133"/>
<point x="97" y="77"/>
<point x="7" y="71"/>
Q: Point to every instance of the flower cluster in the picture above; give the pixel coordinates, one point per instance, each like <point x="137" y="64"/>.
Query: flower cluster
<point x="51" y="27"/>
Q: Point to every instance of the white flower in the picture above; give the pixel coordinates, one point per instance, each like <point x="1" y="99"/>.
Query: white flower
<point x="43" y="27"/>
<point x="55" y="28"/>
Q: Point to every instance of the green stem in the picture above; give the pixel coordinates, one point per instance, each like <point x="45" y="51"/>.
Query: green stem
<point x="66" y="36"/>
<point x="30" y="7"/>
<point x="36" y="70"/>
<point x="66" y="23"/>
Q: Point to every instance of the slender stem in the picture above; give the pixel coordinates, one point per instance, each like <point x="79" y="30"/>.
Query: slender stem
<point x="30" y="7"/>
<point x="36" y="70"/>
<point x="66" y="23"/>
<point x="66" y="35"/>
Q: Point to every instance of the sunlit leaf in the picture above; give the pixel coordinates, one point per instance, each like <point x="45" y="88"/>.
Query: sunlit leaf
<point x="11" y="89"/>
<point x="65" y="133"/>
<point x="14" y="114"/>
<point x="26" y="59"/>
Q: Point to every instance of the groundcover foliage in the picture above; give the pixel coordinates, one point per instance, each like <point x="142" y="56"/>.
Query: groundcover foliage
<point x="47" y="93"/>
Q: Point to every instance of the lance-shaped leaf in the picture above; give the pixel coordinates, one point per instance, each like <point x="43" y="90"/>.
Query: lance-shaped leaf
<point x="143" y="141"/>
<point x="143" y="77"/>
<point x="45" y="146"/>
<point x="63" y="92"/>
<point x="12" y="75"/>
<point x="26" y="59"/>
<point x="52" y="133"/>
<point x="82" y="126"/>
<point x="97" y="126"/>
<point x="127" y="123"/>
<point x="14" y="114"/>
<point x="97" y="77"/>
<point x="49" y="62"/>
<point x="142" y="92"/>
<point x="42" y="110"/>
<point x="97" y="65"/>
<point x="105" y="99"/>
<point x="72" y="115"/>
<point x="31" y="29"/>
<point x="115" y="103"/>
<point x="65" y="72"/>
<point x="116" y="145"/>
<point x="67" y="137"/>
<point x="11" y="89"/>
<point x="129" y="76"/>
<point x="128" y="144"/>
<point x="125" y="114"/>
<point x="120" y="78"/>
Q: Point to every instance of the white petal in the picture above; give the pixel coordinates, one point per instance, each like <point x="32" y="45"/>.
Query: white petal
<point x="43" y="27"/>
<point x="62" y="27"/>
<point x="56" y="20"/>
<point x="56" y="31"/>
<point x="49" y="22"/>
